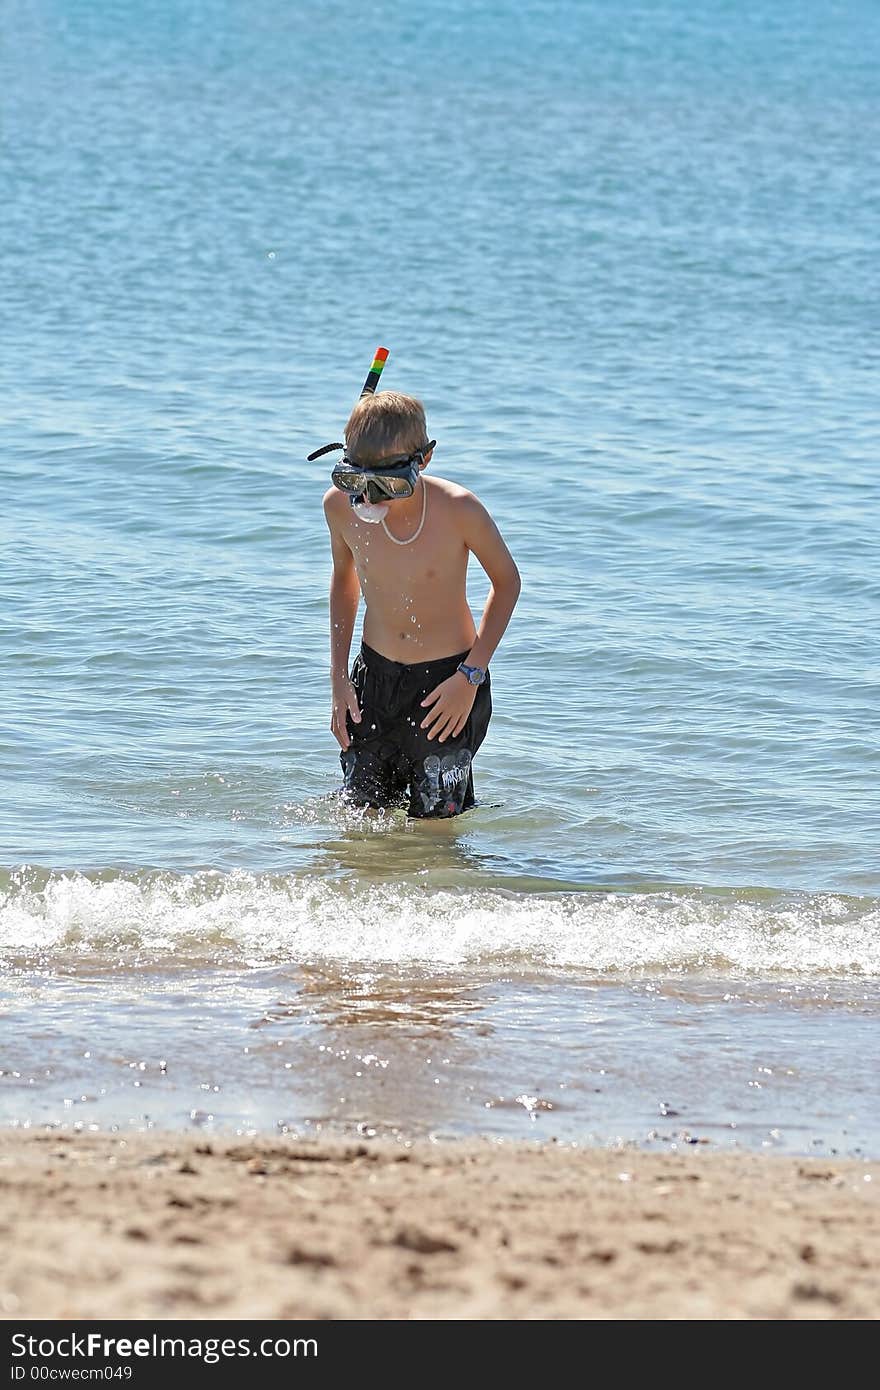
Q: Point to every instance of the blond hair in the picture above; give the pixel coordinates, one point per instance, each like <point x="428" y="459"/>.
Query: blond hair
<point x="383" y="425"/>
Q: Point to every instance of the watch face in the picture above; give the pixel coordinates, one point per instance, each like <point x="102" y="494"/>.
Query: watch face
<point x="475" y="674"/>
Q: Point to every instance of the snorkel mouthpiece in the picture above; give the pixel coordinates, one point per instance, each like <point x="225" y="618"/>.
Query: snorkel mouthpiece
<point x="368" y="511"/>
<point x="369" y="505"/>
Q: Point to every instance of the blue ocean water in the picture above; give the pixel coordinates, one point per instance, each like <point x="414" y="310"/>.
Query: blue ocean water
<point x="627" y="257"/>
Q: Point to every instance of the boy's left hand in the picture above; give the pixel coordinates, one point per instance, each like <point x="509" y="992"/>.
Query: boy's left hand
<point x="453" y="700"/>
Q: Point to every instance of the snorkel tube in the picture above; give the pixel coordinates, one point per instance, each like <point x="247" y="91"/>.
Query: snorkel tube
<point x="365" y="510"/>
<point x="380" y="357"/>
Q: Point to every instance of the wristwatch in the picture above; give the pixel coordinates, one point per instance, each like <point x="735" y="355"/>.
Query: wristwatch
<point x="475" y="674"/>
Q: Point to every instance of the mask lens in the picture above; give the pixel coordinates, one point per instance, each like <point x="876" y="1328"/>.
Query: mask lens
<point x="398" y="487"/>
<point x="349" y="480"/>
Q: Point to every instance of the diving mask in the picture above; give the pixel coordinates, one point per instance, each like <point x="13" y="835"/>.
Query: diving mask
<point x="384" y="480"/>
<point x="370" y="487"/>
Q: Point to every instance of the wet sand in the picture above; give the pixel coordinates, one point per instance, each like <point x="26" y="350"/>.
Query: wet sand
<point x="169" y="1226"/>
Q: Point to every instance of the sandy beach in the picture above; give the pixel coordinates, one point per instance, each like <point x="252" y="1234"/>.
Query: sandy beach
<point x="164" y="1226"/>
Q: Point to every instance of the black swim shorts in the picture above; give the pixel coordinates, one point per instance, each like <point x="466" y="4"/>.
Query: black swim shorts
<point x="390" y="758"/>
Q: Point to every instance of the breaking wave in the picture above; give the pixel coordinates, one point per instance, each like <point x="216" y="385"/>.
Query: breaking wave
<point x="224" y="918"/>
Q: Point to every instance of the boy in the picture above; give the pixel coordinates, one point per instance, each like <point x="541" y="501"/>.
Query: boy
<point x="417" y="705"/>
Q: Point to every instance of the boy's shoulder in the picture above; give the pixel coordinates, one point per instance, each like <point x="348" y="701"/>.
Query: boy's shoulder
<point x="453" y="491"/>
<point x="336" y="504"/>
<point x="464" y="508"/>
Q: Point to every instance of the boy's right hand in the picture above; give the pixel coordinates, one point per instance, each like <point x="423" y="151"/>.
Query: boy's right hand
<point x="344" y="703"/>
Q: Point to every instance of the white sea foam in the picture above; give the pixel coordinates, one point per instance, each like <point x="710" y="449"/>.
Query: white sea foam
<point x="252" y="919"/>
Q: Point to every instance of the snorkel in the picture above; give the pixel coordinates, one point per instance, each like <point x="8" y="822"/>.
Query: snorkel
<point x="365" y="507"/>
<point x="365" y="504"/>
<point x="372" y="381"/>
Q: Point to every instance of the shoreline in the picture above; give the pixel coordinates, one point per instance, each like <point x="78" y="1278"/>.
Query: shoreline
<point x="161" y="1225"/>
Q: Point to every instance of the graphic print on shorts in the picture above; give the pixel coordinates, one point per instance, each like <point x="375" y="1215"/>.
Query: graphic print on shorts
<point x="441" y="783"/>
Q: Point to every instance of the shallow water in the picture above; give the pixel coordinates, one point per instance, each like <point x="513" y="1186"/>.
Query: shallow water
<point x="308" y="1002"/>
<point x="627" y="257"/>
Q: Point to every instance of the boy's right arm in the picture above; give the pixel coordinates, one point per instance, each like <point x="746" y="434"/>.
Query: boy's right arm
<point x="345" y="593"/>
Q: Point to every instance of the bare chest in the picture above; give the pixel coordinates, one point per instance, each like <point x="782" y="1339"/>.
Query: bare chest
<point x="435" y="560"/>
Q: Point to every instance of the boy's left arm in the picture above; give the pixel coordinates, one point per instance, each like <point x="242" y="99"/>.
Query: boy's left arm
<point x="452" y="701"/>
